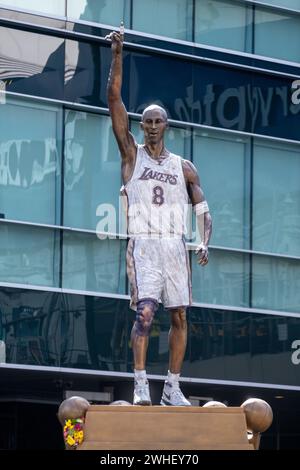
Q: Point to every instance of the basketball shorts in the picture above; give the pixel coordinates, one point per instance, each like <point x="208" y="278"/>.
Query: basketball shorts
<point x="159" y="269"/>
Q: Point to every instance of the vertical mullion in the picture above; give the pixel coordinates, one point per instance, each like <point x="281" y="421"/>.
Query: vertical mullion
<point x="251" y="225"/>
<point x="131" y="14"/>
<point x="62" y="199"/>
<point x="253" y="30"/>
<point x="194" y="21"/>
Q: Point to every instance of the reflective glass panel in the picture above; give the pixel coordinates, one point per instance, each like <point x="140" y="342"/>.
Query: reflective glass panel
<point x="92" y="172"/>
<point x="224" y="24"/>
<point x="222" y="163"/>
<point x="224" y="280"/>
<point x="276" y="283"/>
<point x="242" y="346"/>
<point x="87" y="65"/>
<point x="277" y="34"/>
<point x="90" y="332"/>
<point x="172" y="88"/>
<point x="109" y="12"/>
<point x="92" y="264"/>
<point x="172" y="18"/>
<point x="30" y="155"/>
<point x="32" y="64"/>
<point x="276" y="197"/>
<point x="55" y="7"/>
<point x="31" y="322"/>
<point x="29" y="255"/>
<point x="95" y="333"/>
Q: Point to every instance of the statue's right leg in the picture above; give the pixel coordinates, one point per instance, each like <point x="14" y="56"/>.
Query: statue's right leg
<point x="146" y="309"/>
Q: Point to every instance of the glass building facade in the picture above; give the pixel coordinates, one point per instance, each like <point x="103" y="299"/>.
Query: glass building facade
<point x="224" y="70"/>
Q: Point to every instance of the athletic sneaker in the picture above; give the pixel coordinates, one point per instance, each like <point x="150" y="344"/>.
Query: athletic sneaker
<point x="173" y="396"/>
<point x="141" y="395"/>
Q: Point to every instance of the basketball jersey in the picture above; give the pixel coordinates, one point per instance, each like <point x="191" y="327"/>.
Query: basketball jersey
<point x="157" y="198"/>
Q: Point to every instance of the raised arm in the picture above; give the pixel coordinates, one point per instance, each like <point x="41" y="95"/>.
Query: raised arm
<point x="204" y="220"/>
<point x="118" y="113"/>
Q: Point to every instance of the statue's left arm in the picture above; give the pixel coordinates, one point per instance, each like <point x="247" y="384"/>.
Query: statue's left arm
<point x="200" y="206"/>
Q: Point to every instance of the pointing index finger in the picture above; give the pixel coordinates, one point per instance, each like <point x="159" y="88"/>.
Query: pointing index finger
<point x="122" y="30"/>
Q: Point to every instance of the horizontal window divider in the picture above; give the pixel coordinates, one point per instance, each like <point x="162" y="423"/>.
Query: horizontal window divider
<point x="271" y="6"/>
<point x="119" y="236"/>
<point x="252" y="252"/>
<point x="67" y="104"/>
<point x="237" y="383"/>
<point x="156" y="377"/>
<point x="253" y="310"/>
<point x="66" y="18"/>
<point x="124" y="236"/>
<point x="63" y="33"/>
<point x="229" y="131"/>
<point x="63" y="290"/>
<point x="69" y="34"/>
<point x="232" y="52"/>
<point x="173" y="122"/>
<point x="198" y="46"/>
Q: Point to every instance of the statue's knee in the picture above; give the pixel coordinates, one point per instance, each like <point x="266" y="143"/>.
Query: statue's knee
<point x="144" y="316"/>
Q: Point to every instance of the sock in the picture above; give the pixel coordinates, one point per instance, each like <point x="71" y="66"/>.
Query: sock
<point x="140" y="375"/>
<point x="173" y="379"/>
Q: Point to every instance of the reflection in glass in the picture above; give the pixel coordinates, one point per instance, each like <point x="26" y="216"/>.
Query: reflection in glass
<point x="150" y="17"/>
<point x="276" y="284"/>
<point x="30" y="149"/>
<point x="55" y="7"/>
<point x="95" y="333"/>
<point x="88" y="332"/>
<point x="33" y="64"/>
<point x="92" y="170"/>
<point x="222" y="165"/>
<point x="206" y="334"/>
<point x="225" y="24"/>
<point x="224" y="281"/>
<point x="86" y="71"/>
<point x="172" y="88"/>
<point x="241" y="346"/>
<point x="29" y="255"/>
<point x="109" y="12"/>
<point x="276" y="198"/>
<point x="31" y="326"/>
<point x="92" y="264"/>
<point x="277" y="34"/>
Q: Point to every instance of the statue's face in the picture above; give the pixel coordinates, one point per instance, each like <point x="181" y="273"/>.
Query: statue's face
<point x="154" y="124"/>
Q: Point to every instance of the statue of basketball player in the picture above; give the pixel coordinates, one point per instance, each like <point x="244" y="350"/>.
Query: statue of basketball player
<point x="157" y="263"/>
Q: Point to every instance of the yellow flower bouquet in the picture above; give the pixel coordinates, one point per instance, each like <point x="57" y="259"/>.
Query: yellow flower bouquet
<point x="73" y="432"/>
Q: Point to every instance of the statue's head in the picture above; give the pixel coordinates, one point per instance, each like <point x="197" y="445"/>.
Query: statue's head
<point x="154" y="123"/>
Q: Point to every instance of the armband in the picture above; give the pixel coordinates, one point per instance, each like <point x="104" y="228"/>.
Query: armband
<point x="201" y="208"/>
